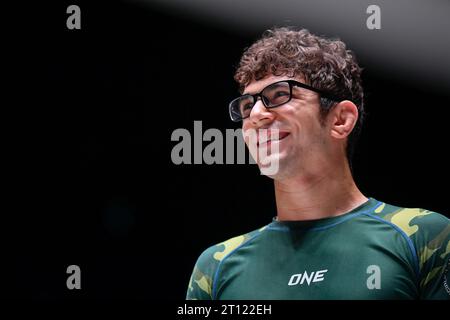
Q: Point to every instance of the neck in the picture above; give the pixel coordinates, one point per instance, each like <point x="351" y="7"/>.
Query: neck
<point x="329" y="193"/>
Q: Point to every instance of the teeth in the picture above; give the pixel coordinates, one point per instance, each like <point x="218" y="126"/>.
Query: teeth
<point x="271" y="139"/>
<point x="267" y="140"/>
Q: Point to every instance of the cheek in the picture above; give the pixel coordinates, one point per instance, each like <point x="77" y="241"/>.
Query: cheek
<point x="306" y="129"/>
<point x="249" y="135"/>
<point x="245" y="132"/>
<point x="245" y="125"/>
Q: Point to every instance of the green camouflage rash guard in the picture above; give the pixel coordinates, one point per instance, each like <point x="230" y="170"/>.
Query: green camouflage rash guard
<point x="376" y="251"/>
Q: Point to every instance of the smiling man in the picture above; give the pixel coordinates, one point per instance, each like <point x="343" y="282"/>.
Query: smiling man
<point x="328" y="240"/>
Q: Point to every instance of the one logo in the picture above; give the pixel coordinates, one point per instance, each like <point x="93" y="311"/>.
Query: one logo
<point x="300" y="278"/>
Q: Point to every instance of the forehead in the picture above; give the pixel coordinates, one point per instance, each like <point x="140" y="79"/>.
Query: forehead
<point x="257" y="85"/>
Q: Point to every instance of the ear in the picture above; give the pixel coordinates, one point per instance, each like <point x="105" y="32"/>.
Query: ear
<point x="343" y="119"/>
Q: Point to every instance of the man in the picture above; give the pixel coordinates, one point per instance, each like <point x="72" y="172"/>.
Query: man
<point x="328" y="240"/>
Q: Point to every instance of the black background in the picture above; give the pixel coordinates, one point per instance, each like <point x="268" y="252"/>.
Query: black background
<point x="92" y="179"/>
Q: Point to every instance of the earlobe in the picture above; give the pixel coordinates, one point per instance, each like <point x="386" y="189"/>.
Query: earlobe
<point x="345" y="116"/>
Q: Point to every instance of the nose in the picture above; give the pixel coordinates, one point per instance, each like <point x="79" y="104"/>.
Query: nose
<point x="260" y="114"/>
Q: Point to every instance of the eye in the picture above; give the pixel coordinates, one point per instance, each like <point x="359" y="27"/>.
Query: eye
<point x="279" y="97"/>
<point x="246" y="106"/>
<point x="280" y="94"/>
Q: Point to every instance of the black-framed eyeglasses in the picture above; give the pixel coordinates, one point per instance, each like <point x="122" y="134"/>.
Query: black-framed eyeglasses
<point x="272" y="96"/>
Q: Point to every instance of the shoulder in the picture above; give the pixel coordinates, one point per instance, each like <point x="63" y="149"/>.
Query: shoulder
<point x="209" y="260"/>
<point x="427" y="231"/>
<point x="219" y="251"/>
<point x="414" y="222"/>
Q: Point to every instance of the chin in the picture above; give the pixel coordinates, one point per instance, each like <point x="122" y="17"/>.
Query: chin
<point x="279" y="175"/>
<point x="284" y="169"/>
<point x="275" y="169"/>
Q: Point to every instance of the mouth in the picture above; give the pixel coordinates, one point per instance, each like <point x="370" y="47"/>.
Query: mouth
<point x="270" y="137"/>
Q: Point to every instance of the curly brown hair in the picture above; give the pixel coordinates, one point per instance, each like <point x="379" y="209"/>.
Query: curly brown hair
<point x="323" y="63"/>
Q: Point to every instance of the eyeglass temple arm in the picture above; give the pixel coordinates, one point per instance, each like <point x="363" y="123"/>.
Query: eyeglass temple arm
<point x="322" y="93"/>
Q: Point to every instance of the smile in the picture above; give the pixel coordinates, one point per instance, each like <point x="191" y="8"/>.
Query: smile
<point x="269" y="138"/>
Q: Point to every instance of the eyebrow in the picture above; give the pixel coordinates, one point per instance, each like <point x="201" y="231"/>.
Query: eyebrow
<point x="252" y="93"/>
